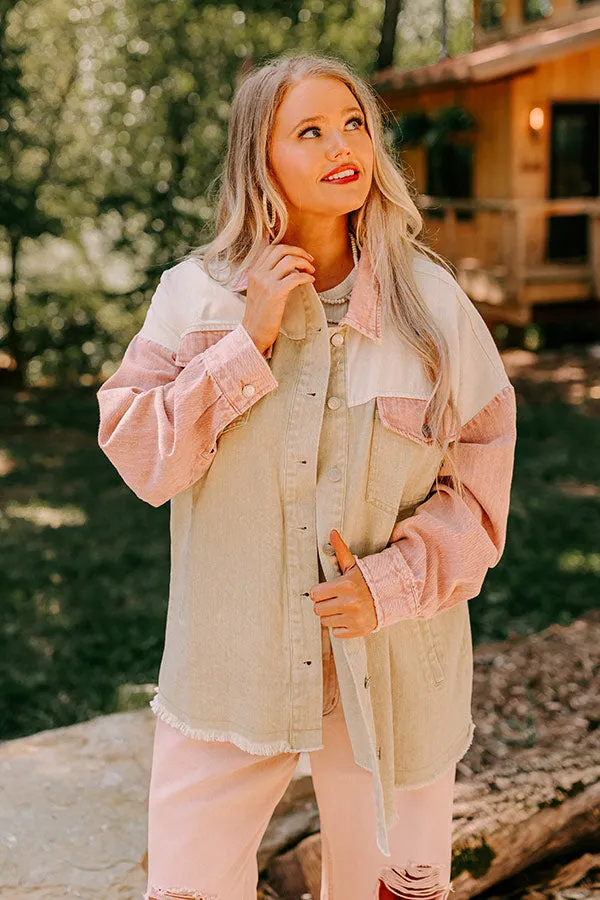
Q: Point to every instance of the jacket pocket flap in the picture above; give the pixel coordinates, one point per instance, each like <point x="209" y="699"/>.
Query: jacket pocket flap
<point x="404" y="415"/>
<point x="196" y="340"/>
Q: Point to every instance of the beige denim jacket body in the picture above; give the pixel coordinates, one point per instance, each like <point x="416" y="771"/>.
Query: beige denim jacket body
<point x="261" y="456"/>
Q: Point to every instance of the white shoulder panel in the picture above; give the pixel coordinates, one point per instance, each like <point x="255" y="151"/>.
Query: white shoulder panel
<point x="392" y="368"/>
<point x="477" y="369"/>
<point x="184" y="297"/>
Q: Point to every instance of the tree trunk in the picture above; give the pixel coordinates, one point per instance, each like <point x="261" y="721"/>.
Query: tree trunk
<point x="15" y="376"/>
<point x="385" y="53"/>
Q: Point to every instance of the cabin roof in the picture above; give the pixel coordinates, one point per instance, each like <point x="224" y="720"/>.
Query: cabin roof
<point x="496" y="61"/>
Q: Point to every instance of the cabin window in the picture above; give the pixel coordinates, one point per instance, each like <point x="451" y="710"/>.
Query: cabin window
<point x="450" y="175"/>
<point x="536" y="9"/>
<point x="491" y="13"/>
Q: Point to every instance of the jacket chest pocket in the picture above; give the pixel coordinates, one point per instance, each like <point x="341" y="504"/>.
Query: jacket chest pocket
<point x="197" y="339"/>
<point x="403" y="458"/>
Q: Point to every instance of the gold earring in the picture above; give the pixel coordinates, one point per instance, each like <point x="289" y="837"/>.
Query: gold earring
<point x="270" y="224"/>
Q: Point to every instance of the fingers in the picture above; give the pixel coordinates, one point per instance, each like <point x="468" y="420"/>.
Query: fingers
<point x="278" y="251"/>
<point x="279" y="261"/>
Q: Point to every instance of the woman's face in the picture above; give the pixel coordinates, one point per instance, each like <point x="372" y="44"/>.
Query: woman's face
<point x="303" y="152"/>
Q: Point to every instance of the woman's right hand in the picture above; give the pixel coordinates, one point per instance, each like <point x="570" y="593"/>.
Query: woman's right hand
<point x="278" y="269"/>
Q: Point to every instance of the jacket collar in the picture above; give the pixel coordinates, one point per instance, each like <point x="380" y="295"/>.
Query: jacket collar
<point x="364" y="306"/>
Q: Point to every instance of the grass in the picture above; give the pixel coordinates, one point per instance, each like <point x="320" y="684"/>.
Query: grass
<point x="550" y="570"/>
<point x="84" y="564"/>
<point x="84" y="568"/>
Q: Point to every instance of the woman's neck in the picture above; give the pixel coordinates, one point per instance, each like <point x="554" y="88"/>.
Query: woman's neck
<point x="333" y="260"/>
<point x="324" y="280"/>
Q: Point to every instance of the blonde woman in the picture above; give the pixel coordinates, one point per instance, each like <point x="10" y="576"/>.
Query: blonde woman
<point x="330" y="418"/>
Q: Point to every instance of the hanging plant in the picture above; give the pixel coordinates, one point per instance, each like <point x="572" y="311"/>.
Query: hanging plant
<point x="446" y="123"/>
<point x="431" y="130"/>
<point x="411" y="128"/>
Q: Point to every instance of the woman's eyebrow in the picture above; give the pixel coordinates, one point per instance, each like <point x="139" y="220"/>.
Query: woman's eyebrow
<point x="319" y="118"/>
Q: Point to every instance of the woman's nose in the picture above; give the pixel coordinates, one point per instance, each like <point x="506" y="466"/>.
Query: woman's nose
<point x="338" y="145"/>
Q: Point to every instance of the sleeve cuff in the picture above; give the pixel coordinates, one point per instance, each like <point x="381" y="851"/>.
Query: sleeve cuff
<point x="240" y="369"/>
<point x="389" y="580"/>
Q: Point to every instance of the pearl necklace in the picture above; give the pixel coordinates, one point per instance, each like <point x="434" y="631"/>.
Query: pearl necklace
<point x="346" y="297"/>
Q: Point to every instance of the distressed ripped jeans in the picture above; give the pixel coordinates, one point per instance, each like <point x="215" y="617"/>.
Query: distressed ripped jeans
<point x="211" y="802"/>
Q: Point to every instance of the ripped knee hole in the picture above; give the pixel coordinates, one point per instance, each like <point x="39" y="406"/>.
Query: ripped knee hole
<point x="177" y="894"/>
<point x="414" y="881"/>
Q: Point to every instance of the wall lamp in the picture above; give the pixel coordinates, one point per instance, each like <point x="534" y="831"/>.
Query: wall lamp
<point x="536" y="119"/>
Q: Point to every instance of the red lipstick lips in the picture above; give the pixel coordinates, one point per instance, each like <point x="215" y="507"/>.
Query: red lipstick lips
<point x="342" y="179"/>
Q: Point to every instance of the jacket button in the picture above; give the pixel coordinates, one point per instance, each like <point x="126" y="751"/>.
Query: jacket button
<point x="334" y="403"/>
<point x="248" y="390"/>
<point x="337" y="338"/>
<point x="328" y="548"/>
<point x="334" y="474"/>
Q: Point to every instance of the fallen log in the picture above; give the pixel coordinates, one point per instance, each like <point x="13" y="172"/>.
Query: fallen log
<point x="573" y="872"/>
<point x="512" y="817"/>
<point x="522" y="813"/>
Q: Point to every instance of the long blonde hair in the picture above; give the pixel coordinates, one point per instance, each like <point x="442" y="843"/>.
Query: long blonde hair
<point x="387" y="224"/>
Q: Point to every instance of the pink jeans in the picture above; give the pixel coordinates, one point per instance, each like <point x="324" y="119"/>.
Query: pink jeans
<point x="210" y="804"/>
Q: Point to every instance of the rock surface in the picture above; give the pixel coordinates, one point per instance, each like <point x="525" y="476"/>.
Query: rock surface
<point x="73" y="810"/>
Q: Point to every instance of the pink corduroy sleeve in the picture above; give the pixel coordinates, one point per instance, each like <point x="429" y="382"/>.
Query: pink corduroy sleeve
<point x="440" y="555"/>
<point x="159" y="421"/>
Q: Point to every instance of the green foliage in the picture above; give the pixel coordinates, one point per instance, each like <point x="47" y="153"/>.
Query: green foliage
<point x="113" y="119"/>
<point x="433" y="131"/>
<point x="536" y="9"/>
<point x="418" y="34"/>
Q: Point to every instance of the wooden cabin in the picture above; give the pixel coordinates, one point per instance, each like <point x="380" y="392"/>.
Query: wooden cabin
<point x="514" y="203"/>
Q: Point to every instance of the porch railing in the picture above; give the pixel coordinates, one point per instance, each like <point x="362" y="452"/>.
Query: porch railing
<point x="501" y="248"/>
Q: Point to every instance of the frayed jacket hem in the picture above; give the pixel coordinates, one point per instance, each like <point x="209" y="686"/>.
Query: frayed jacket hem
<point x="256" y="748"/>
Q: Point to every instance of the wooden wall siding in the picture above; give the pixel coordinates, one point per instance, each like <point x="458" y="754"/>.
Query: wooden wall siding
<point x="574" y="77"/>
<point x="563" y="12"/>
<point x="500" y="255"/>
<point x="489" y="104"/>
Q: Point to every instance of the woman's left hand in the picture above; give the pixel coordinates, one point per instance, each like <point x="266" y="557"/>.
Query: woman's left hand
<point x="345" y="603"/>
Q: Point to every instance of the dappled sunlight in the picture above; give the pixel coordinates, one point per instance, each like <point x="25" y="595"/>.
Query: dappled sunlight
<point x="7" y="463"/>
<point x="577" y="489"/>
<point x="48" y="605"/>
<point x="569" y="375"/>
<point x="578" y="561"/>
<point x="47" y="516"/>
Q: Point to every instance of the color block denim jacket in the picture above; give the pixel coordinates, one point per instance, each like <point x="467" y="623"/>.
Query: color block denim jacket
<point x="260" y="456"/>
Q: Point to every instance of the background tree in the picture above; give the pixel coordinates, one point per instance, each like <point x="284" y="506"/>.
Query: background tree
<point x="114" y="123"/>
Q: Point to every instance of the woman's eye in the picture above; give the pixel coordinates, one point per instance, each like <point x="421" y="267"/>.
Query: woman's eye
<point x="316" y="128"/>
<point x="356" y="119"/>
